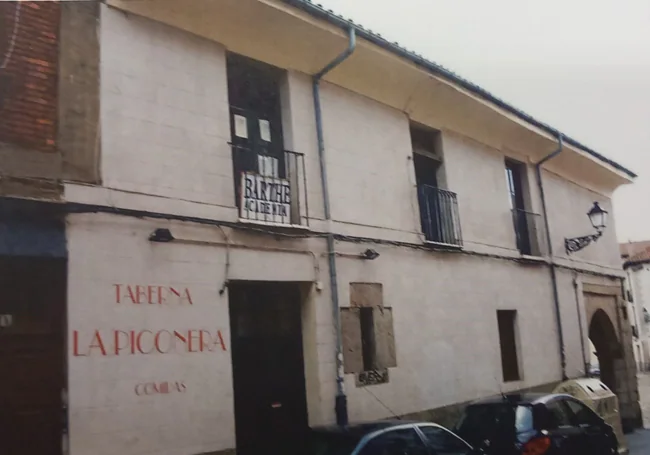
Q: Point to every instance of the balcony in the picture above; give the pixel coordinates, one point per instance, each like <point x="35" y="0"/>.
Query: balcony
<point x="270" y="189"/>
<point x="439" y="216"/>
<point x="528" y="230"/>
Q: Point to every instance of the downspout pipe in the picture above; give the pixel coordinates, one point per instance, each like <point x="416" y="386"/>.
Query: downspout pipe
<point x="549" y="244"/>
<point x="341" y="403"/>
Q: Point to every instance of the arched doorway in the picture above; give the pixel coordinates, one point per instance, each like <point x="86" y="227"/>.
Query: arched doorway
<point x="611" y="335"/>
<point x="603" y="336"/>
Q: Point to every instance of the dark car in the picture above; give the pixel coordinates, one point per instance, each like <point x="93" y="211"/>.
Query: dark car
<point x="536" y="424"/>
<point x="387" y="438"/>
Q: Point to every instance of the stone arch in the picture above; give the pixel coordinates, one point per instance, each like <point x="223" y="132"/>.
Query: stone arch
<point x="611" y="334"/>
<point x="602" y="334"/>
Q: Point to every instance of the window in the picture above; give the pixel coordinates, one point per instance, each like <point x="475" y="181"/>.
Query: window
<point x="558" y="415"/>
<point x="367" y="329"/>
<point x="368" y="345"/>
<point x="508" y="340"/>
<point x="493" y="422"/>
<point x="268" y="180"/>
<point x="442" y="442"/>
<point x="395" y="442"/>
<point x="525" y="222"/>
<point x="581" y="414"/>
<point x="524" y="419"/>
<point x="438" y="207"/>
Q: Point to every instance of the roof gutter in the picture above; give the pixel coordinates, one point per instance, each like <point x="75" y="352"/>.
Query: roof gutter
<point x="321" y="13"/>
<point x="628" y="264"/>
<point x="549" y="245"/>
<point x="340" y="405"/>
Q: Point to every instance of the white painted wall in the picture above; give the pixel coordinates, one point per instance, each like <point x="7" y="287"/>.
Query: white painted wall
<point x="368" y="148"/>
<point x="568" y="204"/>
<point x="107" y="416"/>
<point x="108" y="413"/>
<point x="485" y="215"/>
<point x="446" y="331"/>
<point x="638" y="281"/>
<point x="164" y="112"/>
<point x="437" y="320"/>
<point x="165" y="125"/>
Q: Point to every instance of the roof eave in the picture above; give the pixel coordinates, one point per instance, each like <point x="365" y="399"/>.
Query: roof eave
<point x="321" y="13"/>
<point x="628" y="264"/>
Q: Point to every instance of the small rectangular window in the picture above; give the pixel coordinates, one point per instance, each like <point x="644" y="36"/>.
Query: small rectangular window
<point x="368" y="345"/>
<point x="507" y="320"/>
<point x="525" y="222"/>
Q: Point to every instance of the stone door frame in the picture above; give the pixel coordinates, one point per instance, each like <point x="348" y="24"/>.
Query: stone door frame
<point x="626" y="387"/>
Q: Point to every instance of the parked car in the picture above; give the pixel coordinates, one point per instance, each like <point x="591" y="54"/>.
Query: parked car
<point x="387" y="438"/>
<point x="594" y="371"/>
<point x="536" y="424"/>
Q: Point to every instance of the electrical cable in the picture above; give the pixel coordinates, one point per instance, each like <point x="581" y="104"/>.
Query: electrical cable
<point x="12" y="39"/>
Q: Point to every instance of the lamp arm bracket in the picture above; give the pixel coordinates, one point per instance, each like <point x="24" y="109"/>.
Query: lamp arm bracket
<point x="574" y="244"/>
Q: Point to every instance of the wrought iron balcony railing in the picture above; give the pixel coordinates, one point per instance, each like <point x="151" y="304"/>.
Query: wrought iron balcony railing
<point x="528" y="230"/>
<point x="439" y="215"/>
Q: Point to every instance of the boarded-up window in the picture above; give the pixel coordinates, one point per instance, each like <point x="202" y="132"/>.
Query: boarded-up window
<point x="351" y="332"/>
<point x="507" y="320"/>
<point x="367" y="329"/>
<point x="384" y="337"/>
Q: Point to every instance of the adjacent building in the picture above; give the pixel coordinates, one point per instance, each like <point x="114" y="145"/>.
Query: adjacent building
<point x="225" y="221"/>
<point x="636" y="263"/>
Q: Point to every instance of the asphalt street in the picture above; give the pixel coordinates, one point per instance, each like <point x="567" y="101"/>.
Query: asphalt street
<point x="639" y="441"/>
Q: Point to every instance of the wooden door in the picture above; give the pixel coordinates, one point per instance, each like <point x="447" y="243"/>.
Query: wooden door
<point x="268" y="368"/>
<point x="32" y="372"/>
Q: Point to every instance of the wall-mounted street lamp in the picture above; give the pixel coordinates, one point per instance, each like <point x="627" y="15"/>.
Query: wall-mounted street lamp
<point x="369" y="255"/>
<point x="161" y="235"/>
<point x="598" y="218"/>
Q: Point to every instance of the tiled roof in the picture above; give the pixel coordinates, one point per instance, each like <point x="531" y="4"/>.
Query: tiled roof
<point x="320" y="12"/>
<point x="635" y="253"/>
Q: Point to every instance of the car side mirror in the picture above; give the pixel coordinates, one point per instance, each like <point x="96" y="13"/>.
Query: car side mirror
<point x="541" y="417"/>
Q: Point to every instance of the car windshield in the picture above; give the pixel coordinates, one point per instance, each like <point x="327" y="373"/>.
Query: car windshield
<point x="331" y="443"/>
<point x="489" y="421"/>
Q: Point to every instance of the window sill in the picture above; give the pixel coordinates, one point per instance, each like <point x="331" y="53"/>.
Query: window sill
<point x="528" y="259"/>
<point x="446" y="246"/>
<point x="299" y="227"/>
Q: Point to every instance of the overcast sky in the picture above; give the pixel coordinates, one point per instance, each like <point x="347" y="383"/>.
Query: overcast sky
<point x="582" y="66"/>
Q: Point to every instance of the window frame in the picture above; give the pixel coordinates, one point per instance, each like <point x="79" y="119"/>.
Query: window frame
<point x="443" y="430"/>
<point x="520" y="203"/>
<point x="595" y="418"/>
<point x="505" y="349"/>
<point x="379" y="433"/>
<point x="368" y="334"/>
<point x="564" y="408"/>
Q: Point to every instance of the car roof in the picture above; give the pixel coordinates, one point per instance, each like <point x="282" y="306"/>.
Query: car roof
<point x="361" y="429"/>
<point x="519" y="398"/>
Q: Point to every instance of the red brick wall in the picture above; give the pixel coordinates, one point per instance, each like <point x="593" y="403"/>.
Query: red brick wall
<point x="28" y="82"/>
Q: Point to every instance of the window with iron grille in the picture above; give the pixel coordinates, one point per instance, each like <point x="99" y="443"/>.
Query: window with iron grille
<point x="270" y="182"/>
<point x="439" y="218"/>
<point x="526" y="223"/>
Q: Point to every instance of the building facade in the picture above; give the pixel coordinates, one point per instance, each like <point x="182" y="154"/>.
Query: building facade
<point x="209" y="246"/>
<point x="636" y="263"/>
